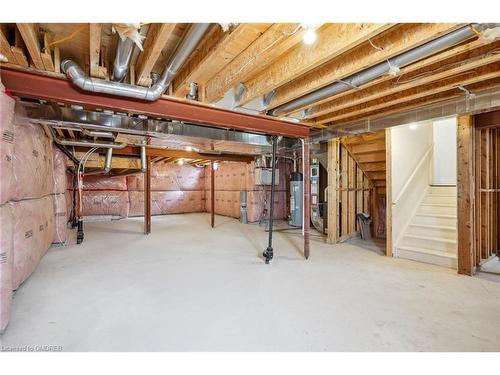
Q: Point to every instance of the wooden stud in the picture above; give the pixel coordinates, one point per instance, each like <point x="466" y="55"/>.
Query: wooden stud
<point x="388" y="160"/>
<point x="465" y="195"/>
<point x="5" y="49"/>
<point x="333" y="185"/>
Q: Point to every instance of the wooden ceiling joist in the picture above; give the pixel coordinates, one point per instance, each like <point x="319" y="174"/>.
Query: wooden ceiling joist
<point x="392" y="87"/>
<point x="95" y="30"/>
<point x="30" y="37"/>
<point x="5" y="49"/>
<point x="216" y="51"/>
<point x="389" y="44"/>
<point x="424" y="68"/>
<point x="332" y="41"/>
<point x="157" y="37"/>
<point x="421" y="102"/>
<point x="275" y="41"/>
<point x="480" y="74"/>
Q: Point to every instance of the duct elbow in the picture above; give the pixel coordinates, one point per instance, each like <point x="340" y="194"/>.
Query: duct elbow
<point x="155" y="92"/>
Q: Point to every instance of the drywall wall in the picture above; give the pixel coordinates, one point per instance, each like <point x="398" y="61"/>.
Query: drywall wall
<point x="445" y="151"/>
<point x="409" y="144"/>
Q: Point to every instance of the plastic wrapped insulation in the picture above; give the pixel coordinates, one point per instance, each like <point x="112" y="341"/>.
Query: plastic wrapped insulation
<point x="7" y="179"/>
<point x="5" y="265"/>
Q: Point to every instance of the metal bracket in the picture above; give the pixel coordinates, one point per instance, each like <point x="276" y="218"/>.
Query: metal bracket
<point x="305" y="113"/>
<point x="468" y="97"/>
<point x="266" y="98"/>
<point x="239" y="90"/>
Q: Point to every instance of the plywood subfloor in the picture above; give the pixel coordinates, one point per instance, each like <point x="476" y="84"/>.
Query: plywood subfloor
<point x="187" y="287"/>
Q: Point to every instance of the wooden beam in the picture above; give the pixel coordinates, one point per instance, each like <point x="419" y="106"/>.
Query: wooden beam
<point x="276" y="40"/>
<point x="158" y="35"/>
<point x="440" y="79"/>
<point x="465" y="194"/>
<point x="333" y="40"/>
<point x="388" y="193"/>
<point x="391" y="43"/>
<point x="95" y="30"/>
<point x="333" y="180"/>
<point x="216" y="52"/>
<point x="30" y="38"/>
<point x="480" y="74"/>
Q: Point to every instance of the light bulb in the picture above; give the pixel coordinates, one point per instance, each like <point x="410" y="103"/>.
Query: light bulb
<point x="216" y="166"/>
<point x="413" y="126"/>
<point x="180" y="162"/>
<point x="309" y="36"/>
<point x="188" y="148"/>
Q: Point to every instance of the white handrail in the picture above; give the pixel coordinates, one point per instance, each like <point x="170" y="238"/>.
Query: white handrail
<point x="410" y="179"/>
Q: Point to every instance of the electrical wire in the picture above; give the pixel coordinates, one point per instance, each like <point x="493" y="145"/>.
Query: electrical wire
<point x="66" y="38"/>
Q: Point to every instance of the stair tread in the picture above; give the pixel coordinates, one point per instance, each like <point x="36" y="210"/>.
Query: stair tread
<point x="433" y="226"/>
<point x="428" y="251"/>
<point x="436" y="215"/>
<point x="430" y="238"/>
<point x="439" y="204"/>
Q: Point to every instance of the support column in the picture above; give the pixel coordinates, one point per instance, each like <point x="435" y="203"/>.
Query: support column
<point x="306" y="200"/>
<point x="212" y="194"/>
<point x="465" y="195"/>
<point x="388" y="192"/>
<point x="147" y="197"/>
<point x="79" y="209"/>
<point x="268" y="254"/>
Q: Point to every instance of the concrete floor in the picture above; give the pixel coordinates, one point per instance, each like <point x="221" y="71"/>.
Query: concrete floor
<point x="187" y="287"/>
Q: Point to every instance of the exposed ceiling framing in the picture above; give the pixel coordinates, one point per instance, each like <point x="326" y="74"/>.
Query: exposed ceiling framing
<point x="264" y="59"/>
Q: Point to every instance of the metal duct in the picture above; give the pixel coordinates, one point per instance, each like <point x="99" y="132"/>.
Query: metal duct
<point x="109" y="159"/>
<point x="122" y="59"/>
<point x="356" y="80"/>
<point x="185" y="48"/>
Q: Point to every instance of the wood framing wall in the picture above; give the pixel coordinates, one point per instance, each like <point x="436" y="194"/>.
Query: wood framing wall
<point x="350" y="192"/>
<point x="487" y="219"/>
<point x="478" y="188"/>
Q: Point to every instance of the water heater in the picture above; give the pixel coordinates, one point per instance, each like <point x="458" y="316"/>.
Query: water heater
<point x="296" y="197"/>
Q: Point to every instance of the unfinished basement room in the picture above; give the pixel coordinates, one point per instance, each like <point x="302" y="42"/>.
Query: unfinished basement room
<point x="270" y="187"/>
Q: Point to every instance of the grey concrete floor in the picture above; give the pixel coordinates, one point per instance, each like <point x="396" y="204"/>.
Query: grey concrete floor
<point x="187" y="287"/>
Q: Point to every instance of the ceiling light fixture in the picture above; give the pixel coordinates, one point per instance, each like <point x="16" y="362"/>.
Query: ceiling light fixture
<point x="309" y="36"/>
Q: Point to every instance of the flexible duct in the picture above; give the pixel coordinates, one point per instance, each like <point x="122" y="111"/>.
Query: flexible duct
<point x="122" y="59"/>
<point x="185" y="48"/>
<point x="437" y="45"/>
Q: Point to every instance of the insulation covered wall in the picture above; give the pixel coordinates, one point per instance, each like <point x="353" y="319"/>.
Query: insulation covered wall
<point x="6" y="260"/>
<point x="7" y="182"/>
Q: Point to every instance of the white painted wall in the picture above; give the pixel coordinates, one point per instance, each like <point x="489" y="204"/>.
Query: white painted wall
<point x="409" y="143"/>
<point x="445" y="152"/>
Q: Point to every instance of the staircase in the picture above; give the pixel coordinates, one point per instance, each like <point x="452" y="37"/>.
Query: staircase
<point x="431" y="235"/>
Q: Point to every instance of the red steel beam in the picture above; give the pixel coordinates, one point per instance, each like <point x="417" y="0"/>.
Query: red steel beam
<point x="27" y="84"/>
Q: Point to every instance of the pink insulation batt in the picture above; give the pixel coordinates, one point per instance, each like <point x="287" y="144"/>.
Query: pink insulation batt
<point x="5" y="265"/>
<point x="33" y="234"/>
<point x="7" y="181"/>
<point x="105" y="202"/>
<point x="104" y="183"/>
<point x="170" y="177"/>
<point x="60" y="218"/>
<point x="33" y="161"/>
<point x="167" y="202"/>
<point x="60" y="182"/>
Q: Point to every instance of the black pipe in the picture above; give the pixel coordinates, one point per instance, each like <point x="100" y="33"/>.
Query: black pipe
<point x="67" y="153"/>
<point x="268" y="254"/>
